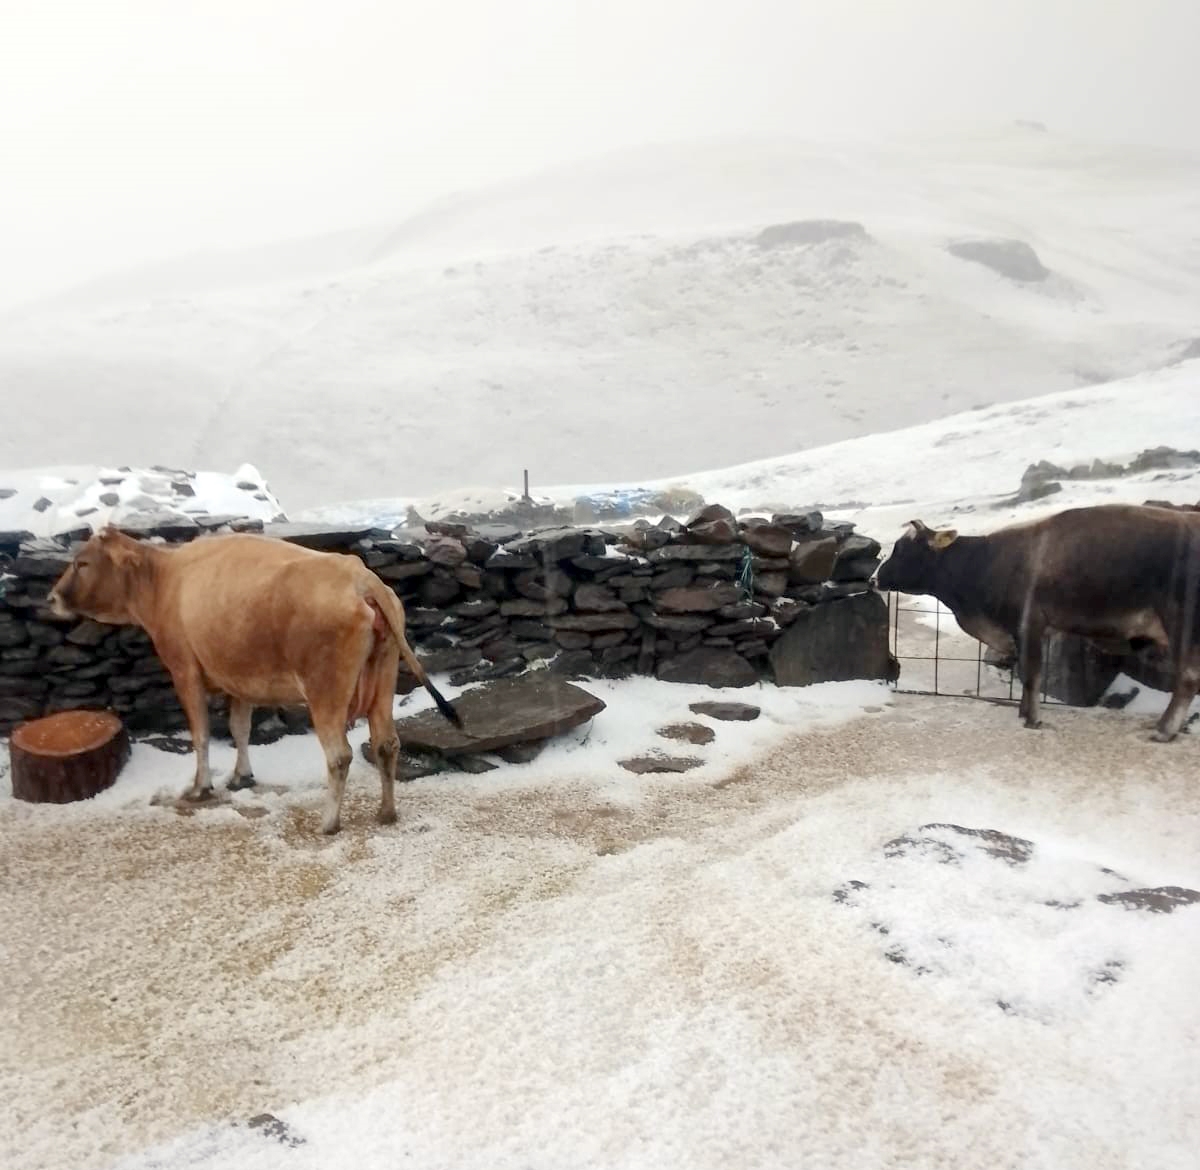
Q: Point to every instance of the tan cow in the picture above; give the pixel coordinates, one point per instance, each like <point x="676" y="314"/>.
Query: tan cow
<point x="268" y="624"/>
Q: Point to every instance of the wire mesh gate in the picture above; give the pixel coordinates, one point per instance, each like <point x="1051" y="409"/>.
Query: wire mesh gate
<point x="937" y="658"/>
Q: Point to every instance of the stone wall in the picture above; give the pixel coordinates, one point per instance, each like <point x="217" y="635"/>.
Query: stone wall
<point x="714" y="600"/>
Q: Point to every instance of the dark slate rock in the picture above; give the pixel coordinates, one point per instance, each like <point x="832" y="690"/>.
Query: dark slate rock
<point x="419" y="617"/>
<point x="651" y="764"/>
<point x="711" y="666"/>
<point x="799" y="524"/>
<point x="44" y="559"/>
<point x="1158" y="900"/>
<point x="741" y="610"/>
<point x="768" y="540"/>
<point x="322" y="536"/>
<point x="404" y="570"/>
<point x="572" y="639"/>
<point x="168" y="525"/>
<point x="67" y="656"/>
<point x="856" y="569"/>
<point x="597" y="599"/>
<point x="556" y="544"/>
<point x="785" y="609"/>
<point x="695" y="552"/>
<point x="504" y="559"/>
<point x="693" y="733"/>
<point x="696" y="598"/>
<point x="41" y="635"/>
<point x="479" y="607"/>
<point x="89" y="633"/>
<point x="770" y="584"/>
<point x="674" y="623"/>
<point x="845" y="639"/>
<point x="18" y="709"/>
<point x="445" y="551"/>
<point x="752" y="627"/>
<point x="13" y="634"/>
<point x="438" y="589"/>
<point x="469" y="576"/>
<point x="1077" y="671"/>
<point x="532" y="707"/>
<point x="454" y="658"/>
<point x="812" y="561"/>
<point x="592" y="622"/>
<point x="42" y="504"/>
<point x="521" y="753"/>
<point x="730" y="712"/>
<point x="574" y="664"/>
<point x="673" y="577"/>
<point x="601" y="569"/>
<point x="7" y="493"/>
<point x="524" y="607"/>
<point x="712" y="524"/>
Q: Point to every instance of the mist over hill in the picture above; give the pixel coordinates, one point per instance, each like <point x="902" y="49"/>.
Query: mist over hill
<point x="634" y="317"/>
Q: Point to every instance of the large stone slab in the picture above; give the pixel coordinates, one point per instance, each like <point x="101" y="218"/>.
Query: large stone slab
<point x="835" y="642"/>
<point x="514" y="710"/>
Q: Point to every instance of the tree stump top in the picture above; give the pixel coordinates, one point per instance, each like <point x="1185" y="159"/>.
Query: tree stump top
<point x="69" y="733"/>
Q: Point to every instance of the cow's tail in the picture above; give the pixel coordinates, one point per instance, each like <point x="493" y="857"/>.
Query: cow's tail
<point x="389" y="609"/>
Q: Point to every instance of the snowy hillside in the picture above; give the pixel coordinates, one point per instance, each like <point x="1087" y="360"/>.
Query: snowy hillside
<point x="624" y="319"/>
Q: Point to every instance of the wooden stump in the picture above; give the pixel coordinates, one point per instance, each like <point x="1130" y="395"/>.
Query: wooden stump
<point x="68" y="756"/>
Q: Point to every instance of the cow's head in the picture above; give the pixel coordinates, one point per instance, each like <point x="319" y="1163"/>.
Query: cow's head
<point x="913" y="563"/>
<point x="100" y="580"/>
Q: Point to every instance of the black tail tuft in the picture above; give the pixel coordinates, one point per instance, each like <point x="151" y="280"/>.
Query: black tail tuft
<point x="444" y="706"/>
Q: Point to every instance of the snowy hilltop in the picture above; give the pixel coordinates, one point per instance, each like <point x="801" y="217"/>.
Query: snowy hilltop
<point x="646" y="314"/>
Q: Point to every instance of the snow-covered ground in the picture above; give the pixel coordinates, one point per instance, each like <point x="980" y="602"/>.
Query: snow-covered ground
<point x="559" y="964"/>
<point x="624" y="307"/>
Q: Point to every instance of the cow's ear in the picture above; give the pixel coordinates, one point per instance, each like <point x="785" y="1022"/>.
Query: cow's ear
<point x="944" y="539"/>
<point x="918" y="528"/>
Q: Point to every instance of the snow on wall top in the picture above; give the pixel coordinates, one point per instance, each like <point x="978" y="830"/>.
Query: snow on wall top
<point x="48" y="501"/>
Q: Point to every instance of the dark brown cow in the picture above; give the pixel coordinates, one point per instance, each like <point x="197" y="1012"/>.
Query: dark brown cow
<point x="1116" y="572"/>
<point x="268" y="624"/>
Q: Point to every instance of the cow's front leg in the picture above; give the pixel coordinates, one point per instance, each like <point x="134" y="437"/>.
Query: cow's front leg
<point x="239" y="727"/>
<point x="194" y="700"/>
<point x="1030" y="664"/>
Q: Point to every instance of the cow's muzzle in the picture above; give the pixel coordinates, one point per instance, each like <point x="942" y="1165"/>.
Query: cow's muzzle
<point x="59" y="606"/>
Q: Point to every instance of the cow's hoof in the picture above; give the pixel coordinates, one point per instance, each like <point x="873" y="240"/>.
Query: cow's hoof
<point x="1034" y="724"/>
<point x="197" y="795"/>
<point x="330" y="827"/>
<point x="1161" y="736"/>
<point x="237" y="783"/>
<point x="387" y="816"/>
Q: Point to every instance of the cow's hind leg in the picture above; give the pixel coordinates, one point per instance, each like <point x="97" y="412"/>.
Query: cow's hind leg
<point x="1030" y="665"/>
<point x="329" y="721"/>
<point x="1187" y="682"/>
<point x="386" y="746"/>
<point x="239" y="727"/>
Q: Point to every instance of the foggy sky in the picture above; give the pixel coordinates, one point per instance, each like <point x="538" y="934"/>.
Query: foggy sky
<point x="133" y="129"/>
